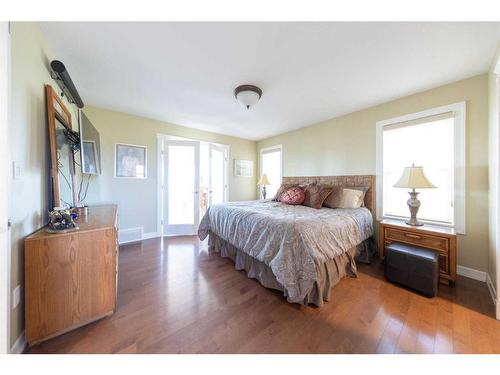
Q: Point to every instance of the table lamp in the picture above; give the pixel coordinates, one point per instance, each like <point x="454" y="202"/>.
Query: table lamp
<point x="413" y="178"/>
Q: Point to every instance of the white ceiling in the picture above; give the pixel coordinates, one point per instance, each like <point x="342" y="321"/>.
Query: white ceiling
<point x="185" y="73"/>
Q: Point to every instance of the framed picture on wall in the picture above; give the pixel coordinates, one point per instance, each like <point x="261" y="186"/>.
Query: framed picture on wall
<point x="243" y="168"/>
<point x="130" y="161"/>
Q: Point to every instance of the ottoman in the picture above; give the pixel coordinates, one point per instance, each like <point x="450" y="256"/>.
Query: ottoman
<point x="412" y="266"/>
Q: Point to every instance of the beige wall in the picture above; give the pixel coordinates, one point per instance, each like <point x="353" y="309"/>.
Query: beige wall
<point x="137" y="199"/>
<point x="28" y="140"/>
<point x="494" y="159"/>
<point x="346" y="145"/>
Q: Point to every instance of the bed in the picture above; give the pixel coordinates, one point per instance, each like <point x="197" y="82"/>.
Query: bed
<point x="301" y="251"/>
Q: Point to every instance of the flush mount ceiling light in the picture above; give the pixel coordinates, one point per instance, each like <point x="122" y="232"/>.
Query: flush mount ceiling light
<point x="247" y="95"/>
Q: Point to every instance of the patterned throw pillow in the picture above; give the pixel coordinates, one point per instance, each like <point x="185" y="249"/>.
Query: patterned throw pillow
<point x="316" y="194"/>
<point x="283" y="188"/>
<point x="293" y="196"/>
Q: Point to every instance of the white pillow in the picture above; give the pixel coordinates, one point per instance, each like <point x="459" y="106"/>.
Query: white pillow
<point x="351" y="198"/>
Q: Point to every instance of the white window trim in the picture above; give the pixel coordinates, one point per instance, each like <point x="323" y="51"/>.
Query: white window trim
<point x="266" y="150"/>
<point x="459" y="110"/>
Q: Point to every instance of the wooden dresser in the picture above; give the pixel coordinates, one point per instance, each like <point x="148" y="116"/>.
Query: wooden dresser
<point x="71" y="278"/>
<point x="441" y="239"/>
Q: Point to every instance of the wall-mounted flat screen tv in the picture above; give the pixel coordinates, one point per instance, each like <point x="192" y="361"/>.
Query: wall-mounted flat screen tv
<point x="90" y="150"/>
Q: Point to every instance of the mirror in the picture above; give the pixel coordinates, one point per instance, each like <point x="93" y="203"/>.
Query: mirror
<point x="64" y="161"/>
<point x="61" y="153"/>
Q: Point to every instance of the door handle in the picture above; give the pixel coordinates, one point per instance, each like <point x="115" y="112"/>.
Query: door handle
<point x="195" y="192"/>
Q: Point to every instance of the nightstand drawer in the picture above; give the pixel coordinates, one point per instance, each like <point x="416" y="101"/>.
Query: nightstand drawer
<point x="419" y="239"/>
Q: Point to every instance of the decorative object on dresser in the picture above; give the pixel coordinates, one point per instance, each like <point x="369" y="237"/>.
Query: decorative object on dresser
<point x="60" y="220"/>
<point x="263" y="181"/>
<point x="71" y="278"/>
<point x="443" y="240"/>
<point x="414" y="178"/>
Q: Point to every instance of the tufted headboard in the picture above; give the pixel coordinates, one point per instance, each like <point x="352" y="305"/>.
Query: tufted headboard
<point x="344" y="181"/>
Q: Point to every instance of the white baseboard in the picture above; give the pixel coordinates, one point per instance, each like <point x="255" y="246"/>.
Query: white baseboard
<point x="493" y="293"/>
<point x="130" y="235"/>
<point x="149" y="235"/>
<point x="471" y="273"/>
<point x="19" y="345"/>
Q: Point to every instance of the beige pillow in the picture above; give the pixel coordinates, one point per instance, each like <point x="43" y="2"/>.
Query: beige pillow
<point x="351" y="198"/>
<point x="334" y="199"/>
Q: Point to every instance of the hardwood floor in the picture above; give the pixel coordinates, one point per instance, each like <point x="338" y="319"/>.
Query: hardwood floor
<point x="174" y="297"/>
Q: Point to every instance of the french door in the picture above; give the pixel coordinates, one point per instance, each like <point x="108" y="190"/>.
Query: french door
<point x="217" y="174"/>
<point x="181" y="211"/>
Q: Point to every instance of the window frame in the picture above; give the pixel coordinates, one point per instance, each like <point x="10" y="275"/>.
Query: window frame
<point x="266" y="150"/>
<point x="459" y="111"/>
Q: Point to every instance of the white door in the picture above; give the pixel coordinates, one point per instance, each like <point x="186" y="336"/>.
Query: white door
<point x="181" y="190"/>
<point x="217" y="192"/>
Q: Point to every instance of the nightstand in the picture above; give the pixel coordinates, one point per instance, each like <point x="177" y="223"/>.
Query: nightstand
<point x="440" y="239"/>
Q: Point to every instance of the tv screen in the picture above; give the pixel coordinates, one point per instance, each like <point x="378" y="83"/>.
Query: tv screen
<point x="90" y="150"/>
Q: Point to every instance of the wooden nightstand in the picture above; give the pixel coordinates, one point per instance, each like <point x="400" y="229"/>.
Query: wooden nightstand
<point x="441" y="239"/>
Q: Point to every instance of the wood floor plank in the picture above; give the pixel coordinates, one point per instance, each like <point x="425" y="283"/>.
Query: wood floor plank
<point x="175" y="297"/>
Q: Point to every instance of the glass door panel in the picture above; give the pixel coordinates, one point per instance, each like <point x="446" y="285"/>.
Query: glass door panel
<point x="217" y="191"/>
<point x="181" y="214"/>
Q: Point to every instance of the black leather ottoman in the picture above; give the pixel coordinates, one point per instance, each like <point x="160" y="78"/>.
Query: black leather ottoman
<point x="412" y="266"/>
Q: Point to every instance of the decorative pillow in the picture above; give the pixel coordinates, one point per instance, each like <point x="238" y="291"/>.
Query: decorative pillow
<point x="316" y="194"/>
<point x="351" y="198"/>
<point x="334" y="200"/>
<point x="293" y="196"/>
<point x="283" y="188"/>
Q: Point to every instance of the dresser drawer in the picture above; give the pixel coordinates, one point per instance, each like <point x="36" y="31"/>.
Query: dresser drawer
<point x="424" y="240"/>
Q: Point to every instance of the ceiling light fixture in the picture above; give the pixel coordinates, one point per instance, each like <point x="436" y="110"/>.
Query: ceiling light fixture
<point x="247" y="95"/>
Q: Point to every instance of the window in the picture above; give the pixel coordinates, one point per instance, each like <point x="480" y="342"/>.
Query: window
<point x="270" y="164"/>
<point x="432" y="139"/>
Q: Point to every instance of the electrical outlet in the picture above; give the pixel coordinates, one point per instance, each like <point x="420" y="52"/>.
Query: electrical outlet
<point x="16" y="296"/>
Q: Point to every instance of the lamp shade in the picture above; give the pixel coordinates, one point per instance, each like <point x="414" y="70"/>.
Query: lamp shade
<point x="414" y="178"/>
<point x="263" y="180"/>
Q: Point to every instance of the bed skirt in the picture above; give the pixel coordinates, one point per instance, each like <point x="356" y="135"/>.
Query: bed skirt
<point x="328" y="276"/>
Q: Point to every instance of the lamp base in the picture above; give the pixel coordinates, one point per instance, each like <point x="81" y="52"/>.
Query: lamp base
<point x="413" y="205"/>
<point x="414" y="223"/>
<point x="264" y="193"/>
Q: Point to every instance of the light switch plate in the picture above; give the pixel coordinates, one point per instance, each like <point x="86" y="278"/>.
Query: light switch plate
<point x="16" y="296"/>
<point x="16" y="170"/>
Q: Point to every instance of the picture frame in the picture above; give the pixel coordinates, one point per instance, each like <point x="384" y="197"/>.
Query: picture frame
<point x="243" y="168"/>
<point x="130" y="161"/>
